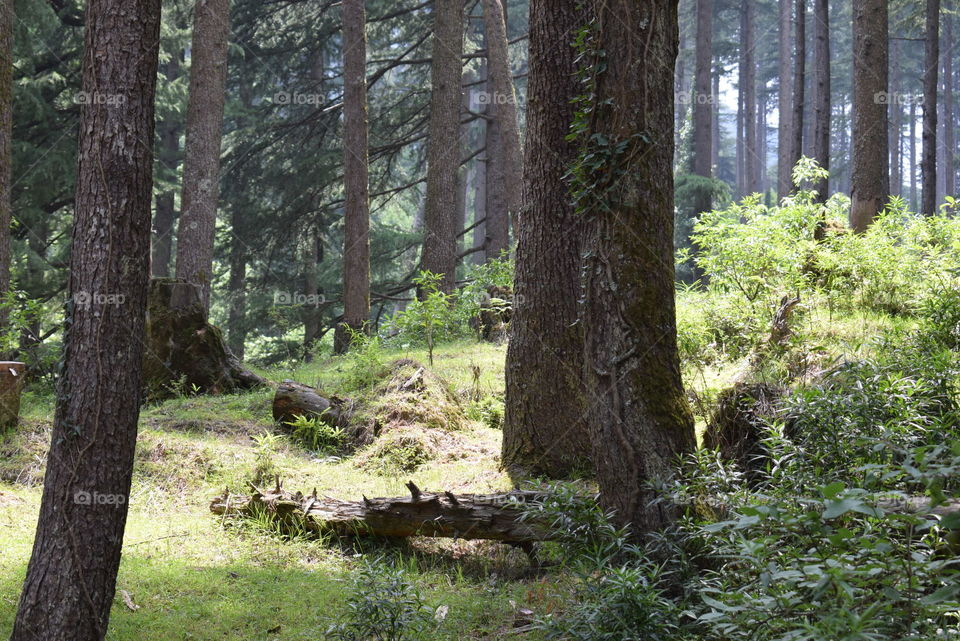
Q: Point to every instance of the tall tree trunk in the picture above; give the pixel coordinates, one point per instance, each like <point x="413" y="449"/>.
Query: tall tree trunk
<point x="311" y="289"/>
<point x="799" y="80"/>
<point x="949" y="134"/>
<point x="6" y="149"/>
<point x="356" y="237"/>
<point x="748" y="91"/>
<point x="912" y="140"/>
<point x="201" y="161"/>
<point x="169" y="156"/>
<point x="784" y="105"/>
<point x="763" y="178"/>
<point x="71" y="577"/>
<point x="640" y="421"/>
<point x="443" y="150"/>
<point x="715" y="136"/>
<point x="870" y="179"/>
<point x="703" y="98"/>
<point x="821" y="95"/>
<point x="896" y="119"/>
<point x="928" y="161"/>
<point x="502" y="108"/>
<point x="545" y="430"/>
<point x="237" y="312"/>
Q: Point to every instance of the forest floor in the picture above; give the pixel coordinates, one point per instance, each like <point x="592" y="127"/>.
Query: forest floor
<point x="193" y="575"/>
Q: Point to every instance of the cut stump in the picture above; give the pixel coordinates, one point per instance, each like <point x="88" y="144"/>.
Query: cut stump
<point x="294" y="399"/>
<point x="183" y="349"/>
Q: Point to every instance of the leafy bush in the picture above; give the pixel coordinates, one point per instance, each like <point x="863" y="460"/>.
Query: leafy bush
<point x="618" y="591"/>
<point x="383" y="606"/>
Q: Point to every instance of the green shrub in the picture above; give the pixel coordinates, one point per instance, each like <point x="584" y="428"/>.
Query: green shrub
<point x="316" y="435"/>
<point x="383" y="606"/>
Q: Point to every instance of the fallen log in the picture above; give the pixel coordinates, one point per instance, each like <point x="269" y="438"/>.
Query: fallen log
<point x="294" y="399"/>
<point x="464" y="516"/>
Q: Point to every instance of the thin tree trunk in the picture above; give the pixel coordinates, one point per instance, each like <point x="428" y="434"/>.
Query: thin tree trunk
<point x="71" y="577"/>
<point x="640" y="421"/>
<point x="748" y="90"/>
<point x="201" y="161"/>
<point x="169" y="156"/>
<point x="799" y="80"/>
<point x="703" y="98"/>
<point x="912" y="138"/>
<point x="6" y="149"/>
<point x="443" y="152"/>
<point x="821" y="95"/>
<point x="928" y="160"/>
<point x="311" y="289"/>
<point x="784" y="105"/>
<point x="237" y="313"/>
<point x="949" y="135"/>
<point x="503" y="109"/>
<point x="715" y="136"/>
<point x="870" y="178"/>
<point x="896" y="118"/>
<point x="545" y="430"/>
<point x="356" y="237"/>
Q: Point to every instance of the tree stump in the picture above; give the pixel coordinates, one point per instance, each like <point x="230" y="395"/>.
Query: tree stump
<point x="296" y="399"/>
<point x="183" y="349"/>
<point x="11" y="385"/>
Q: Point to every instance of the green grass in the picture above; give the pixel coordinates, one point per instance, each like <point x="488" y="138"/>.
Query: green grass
<point x="197" y="576"/>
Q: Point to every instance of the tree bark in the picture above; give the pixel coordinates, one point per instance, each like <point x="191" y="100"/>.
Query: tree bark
<point x="928" y="161"/>
<point x="6" y="148"/>
<point x="799" y="80"/>
<point x="640" y="421"/>
<point x="870" y="179"/>
<point x="356" y="239"/>
<point x="237" y="313"/>
<point x="545" y="430"/>
<point x="784" y="105"/>
<point x="896" y="120"/>
<point x="949" y="134"/>
<point x="443" y="149"/>
<point x="748" y="90"/>
<point x="503" y="140"/>
<point x="169" y="156"/>
<point x="71" y="577"/>
<point x="201" y="162"/>
<point x="703" y="98"/>
<point x="821" y="95"/>
<point x="912" y="140"/>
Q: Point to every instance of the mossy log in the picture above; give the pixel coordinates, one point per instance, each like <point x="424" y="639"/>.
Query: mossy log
<point x="183" y="349"/>
<point x="294" y="399"/>
<point x="11" y="385"/>
<point x="464" y="516"/>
